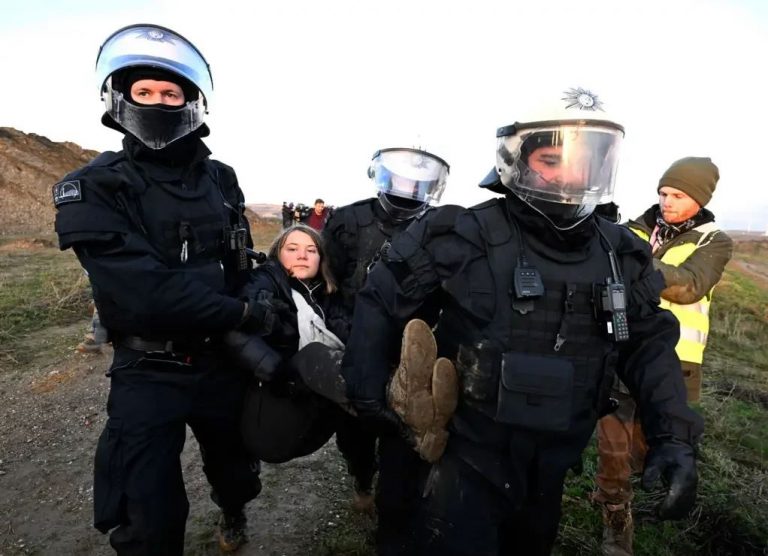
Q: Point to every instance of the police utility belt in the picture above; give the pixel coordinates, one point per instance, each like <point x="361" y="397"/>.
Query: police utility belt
<point x="172" y="348"/>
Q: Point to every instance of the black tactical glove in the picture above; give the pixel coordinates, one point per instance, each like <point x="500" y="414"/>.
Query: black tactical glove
<point x="251" y="353"/>
<point x="263" y="311"/>
<point x="674" y="462"/>
<point x="382" y="419"/>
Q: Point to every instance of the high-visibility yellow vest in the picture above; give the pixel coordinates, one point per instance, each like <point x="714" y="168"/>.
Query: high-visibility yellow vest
<point x="694" y="317"/>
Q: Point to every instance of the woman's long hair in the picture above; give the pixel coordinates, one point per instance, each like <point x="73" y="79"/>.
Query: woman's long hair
<point x="325" y="268"/>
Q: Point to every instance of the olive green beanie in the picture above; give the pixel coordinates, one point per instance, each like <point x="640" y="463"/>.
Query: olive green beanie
<point x="692" y="175"/>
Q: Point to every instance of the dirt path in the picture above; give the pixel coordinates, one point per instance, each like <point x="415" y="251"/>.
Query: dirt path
<point x="50" y="418"/>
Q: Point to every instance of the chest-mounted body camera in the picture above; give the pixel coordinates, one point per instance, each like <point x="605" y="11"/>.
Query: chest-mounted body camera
<point x="526" y="280"/>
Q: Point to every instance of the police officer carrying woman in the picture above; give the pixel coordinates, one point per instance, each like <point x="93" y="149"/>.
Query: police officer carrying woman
<point x="161" y="231"/>
<point x="541" y="303"/>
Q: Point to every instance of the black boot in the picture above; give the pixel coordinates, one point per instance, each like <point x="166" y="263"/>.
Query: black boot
<point x="231" y="531"/>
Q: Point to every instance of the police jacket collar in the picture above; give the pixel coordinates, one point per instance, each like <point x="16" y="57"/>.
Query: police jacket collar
<point x="175" y="162"/>
<point x="546" y="240"/>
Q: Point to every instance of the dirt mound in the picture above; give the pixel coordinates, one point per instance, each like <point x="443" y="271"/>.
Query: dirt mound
<point x="29" y="165"/>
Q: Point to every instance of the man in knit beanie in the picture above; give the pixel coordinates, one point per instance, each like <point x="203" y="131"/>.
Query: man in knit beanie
<point x="690" y="252"/>
<point x="696" y="177"/>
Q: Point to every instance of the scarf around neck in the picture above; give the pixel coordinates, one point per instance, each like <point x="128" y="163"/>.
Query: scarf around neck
<point x="667" y="232"/>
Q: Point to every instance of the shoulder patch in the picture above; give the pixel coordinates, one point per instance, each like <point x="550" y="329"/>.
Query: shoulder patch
<point x="67" y="192"/>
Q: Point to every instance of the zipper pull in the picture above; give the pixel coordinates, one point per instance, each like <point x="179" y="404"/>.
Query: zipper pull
<point x="185" y="234"/>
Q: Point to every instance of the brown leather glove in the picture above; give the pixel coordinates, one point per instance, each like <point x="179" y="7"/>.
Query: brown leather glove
<point x="424" y="390"/>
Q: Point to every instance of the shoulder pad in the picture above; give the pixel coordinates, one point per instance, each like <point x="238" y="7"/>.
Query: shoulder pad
<point x="105" y="173"/>
<point x="225" y="178"/>
<point x="493" y="221"/>
<point x="107" y="158"/>
<point x="485" y="204"/>
<point x="363" y="212"/>
<point x="73" y="188"/>
<point x="86" y="211"/>
<point x="219" y="168"/>
<point x="369" y="201"/>
<point x="623" y="240"/>
<point x="441" y="219"/>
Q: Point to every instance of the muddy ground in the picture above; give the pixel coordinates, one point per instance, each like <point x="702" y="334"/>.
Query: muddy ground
<point x="51" y="415"/>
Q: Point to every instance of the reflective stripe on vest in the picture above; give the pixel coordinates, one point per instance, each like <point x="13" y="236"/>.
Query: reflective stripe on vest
<point x="693" y="317"/>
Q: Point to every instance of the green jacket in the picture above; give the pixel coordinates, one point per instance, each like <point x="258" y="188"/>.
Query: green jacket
<point x="692" y="264"/>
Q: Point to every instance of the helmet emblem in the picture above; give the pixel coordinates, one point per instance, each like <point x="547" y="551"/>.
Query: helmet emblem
<point x="156" y="35"/>
<point x="419" y="161"/>
<point x="582" y="99"/>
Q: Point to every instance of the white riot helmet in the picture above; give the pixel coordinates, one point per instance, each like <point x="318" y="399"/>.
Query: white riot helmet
<point x="408" y="179"/>
<point x="562" y="160"/>
<point x="157" y="51"/>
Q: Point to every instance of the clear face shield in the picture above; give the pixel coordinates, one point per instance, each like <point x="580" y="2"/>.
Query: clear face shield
<point x="410" y="174"/>
<point x="562" y="170"/>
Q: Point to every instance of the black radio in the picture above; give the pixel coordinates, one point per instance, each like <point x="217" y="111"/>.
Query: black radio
<point x="236" y="242"/>
<point x="611" y="308"/>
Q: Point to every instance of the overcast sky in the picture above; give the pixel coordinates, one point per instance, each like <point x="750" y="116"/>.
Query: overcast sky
<point x="306" y="91"/>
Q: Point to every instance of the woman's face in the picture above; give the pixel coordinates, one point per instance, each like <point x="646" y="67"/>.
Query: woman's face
<point x="299" y="256"/>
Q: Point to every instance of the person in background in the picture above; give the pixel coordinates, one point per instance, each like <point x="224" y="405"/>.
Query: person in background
<point x="318" y="216"/>
<point x="160" y="229"/>
<point x="540" y="303"/>
<point x="287" y="214"/>
<point x="96" y="336"/>
<point x="407" y="180"/>
<point x="690" y="252"/>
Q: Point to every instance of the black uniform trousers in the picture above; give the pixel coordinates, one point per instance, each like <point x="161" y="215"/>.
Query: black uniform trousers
<point x="399" y="486"/>
<point x="357" y="443"/>
<point x="138" y="482"/>
<point x="499" y="493"/>
<point x="398" y="495"/>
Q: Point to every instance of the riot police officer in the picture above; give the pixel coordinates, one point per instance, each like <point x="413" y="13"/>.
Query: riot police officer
<point x="541" y="302"/>
<point x="407" y="180"/>
<point x="160" y="229"/>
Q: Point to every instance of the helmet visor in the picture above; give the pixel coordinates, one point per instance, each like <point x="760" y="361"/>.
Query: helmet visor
<point x="567" y="164"/>
<point x="410" y="174"/>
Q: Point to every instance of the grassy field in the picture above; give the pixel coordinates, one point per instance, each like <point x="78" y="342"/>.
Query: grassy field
<point x="42" y="288"/>
<point x="731" y="515"/>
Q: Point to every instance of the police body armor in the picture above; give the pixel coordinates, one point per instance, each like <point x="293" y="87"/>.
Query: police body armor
<point x="542" y="364"/>
<point x="367" y="235"/>
<point x="199" y="231"/>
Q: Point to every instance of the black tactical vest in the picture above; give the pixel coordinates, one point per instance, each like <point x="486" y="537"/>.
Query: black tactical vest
<point x="540" y="369"/>
<point x="188" y="227"/>
<point x="367" y="235"/>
